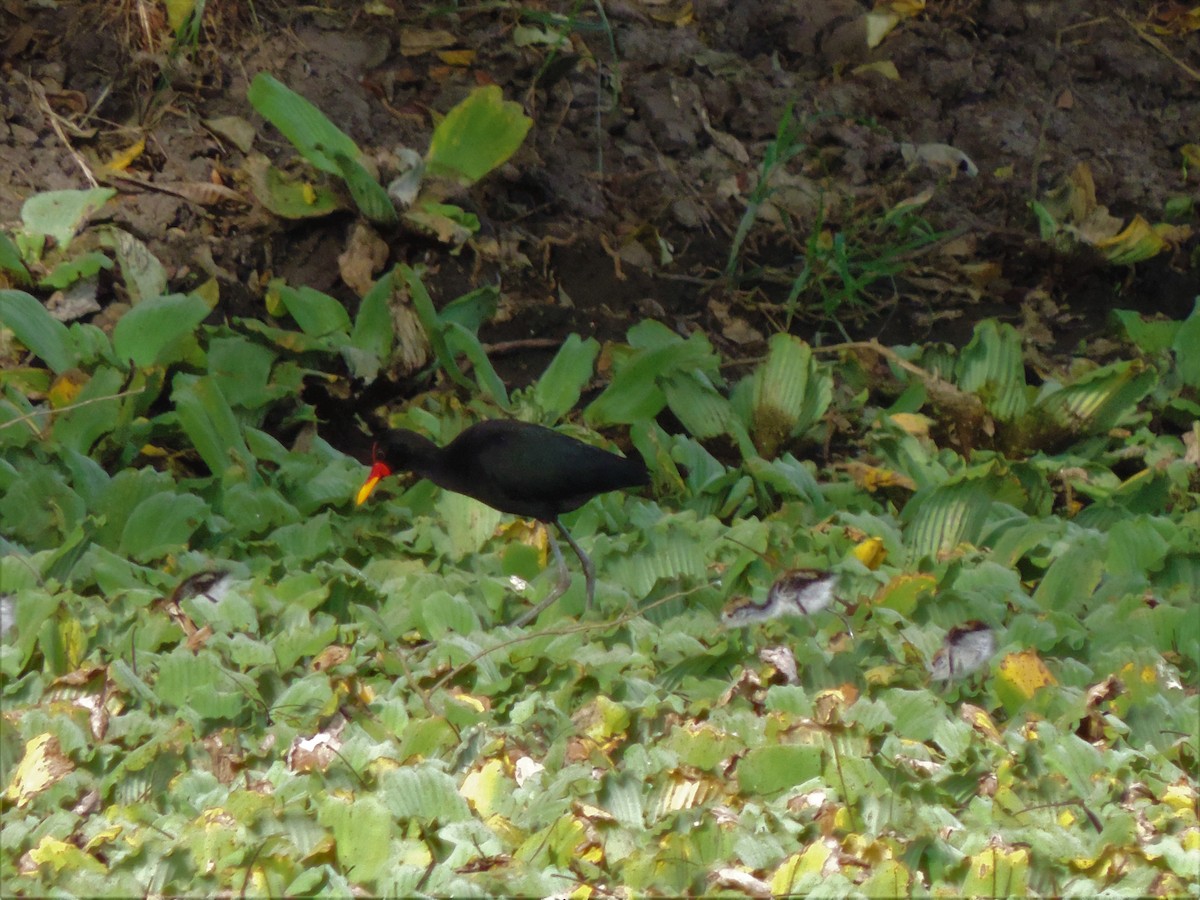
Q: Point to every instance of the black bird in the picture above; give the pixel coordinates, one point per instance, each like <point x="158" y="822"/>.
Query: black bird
<point x="517" y="468"/>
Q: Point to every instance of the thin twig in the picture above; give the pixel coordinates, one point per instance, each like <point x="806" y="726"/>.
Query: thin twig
<point x="416" y="687"/>
<point x="520" y="346"/>
<point x="1160" y="47"/>
<point x="39" y="94"/>
<point x="60" y="409"/>
<point x="887" y="353"/>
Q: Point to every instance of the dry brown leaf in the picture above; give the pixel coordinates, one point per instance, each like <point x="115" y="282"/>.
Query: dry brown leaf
<point x="412" y="345"/>
<point x="313" y="754"/>
<point x="415" y="41"/>
<point x="205" y="193"/>
<point x="364" y="256"/>
<point x="981" y="721"/>
<point x="199" y="638"/>
<point x="333" y="655"/>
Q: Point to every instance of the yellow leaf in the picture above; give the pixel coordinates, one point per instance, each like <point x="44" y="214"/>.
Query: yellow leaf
<point x="471" y="701"/>
<point x="881" y="674"/>
<point x="1176" y="20"/>
<point x="829" y="705"/>
<point x="178" y="12"/>
<point x="870" y="553"/>
<point x="42" y="766"/>
<point x="678" y="16"/>
<point x="987" y="865"/>
<point x="979" y="719"/>
<point x="905" y="8"/>
<point x="810" y="862"/>
<point x="913" y="423"/>
<point x="884" y="67"/>
<point x="209" y="292"/>
<point x="1180" y="796"/>
<point x="1173" y="234"/>
<point x="256" y="885"/>
<point x="60" y="855"/>
<point x="530" y="532"/>
<point x="273" y="300"/>
<point x="594" y="854"/>
<point x="104" y="836"/>
<point x="879" y="25"/>
<point x="601" y="719"/>
<point x="414" y="853"/>
<point x="565" y="837"/>
<point x="74" y="642"/>
<point x="505" y="830"/>
<point x="461" y="58"/>
<point x="1081" y="192"/>
<point x="215" y="817"/>
<point x="872" y="478"/>
<point x="1134" y="243"/>
<point x="904" y="591"/>
<point x="121" y="160"/>
<point x="66" y="388"/>
<point x="483" y="787"/>
<point x="1025" y="673"/>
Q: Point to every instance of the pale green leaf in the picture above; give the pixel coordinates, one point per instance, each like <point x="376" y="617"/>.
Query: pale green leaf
<point x="60" y="214"/>
<point x="477" y="135"/>
<point x="161" y="524"/>
<point x="768" y="770"/>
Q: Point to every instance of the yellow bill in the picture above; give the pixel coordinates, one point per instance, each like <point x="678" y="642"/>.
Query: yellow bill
<point x="379" y="471"/>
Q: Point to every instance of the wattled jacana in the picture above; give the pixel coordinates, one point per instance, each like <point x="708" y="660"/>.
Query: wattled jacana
<point x="966" y="649"/>
<point x="517" y="468"/>
<point x="797" y="592"/>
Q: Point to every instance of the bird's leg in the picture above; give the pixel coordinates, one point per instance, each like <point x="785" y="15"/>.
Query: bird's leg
<point x="564" y="574"/>
<point x="560" y="587"/>
<point x="589" y="571"/>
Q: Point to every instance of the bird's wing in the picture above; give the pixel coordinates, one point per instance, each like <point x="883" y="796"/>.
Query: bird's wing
<point x="529" y="472"/>
<point x="543" y="473"/>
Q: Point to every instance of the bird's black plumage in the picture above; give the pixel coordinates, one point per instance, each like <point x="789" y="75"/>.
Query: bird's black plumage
<point x="517" y="468"/>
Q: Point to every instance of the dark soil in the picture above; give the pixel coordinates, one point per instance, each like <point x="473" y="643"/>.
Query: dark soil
<point x="647" y="140"/>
